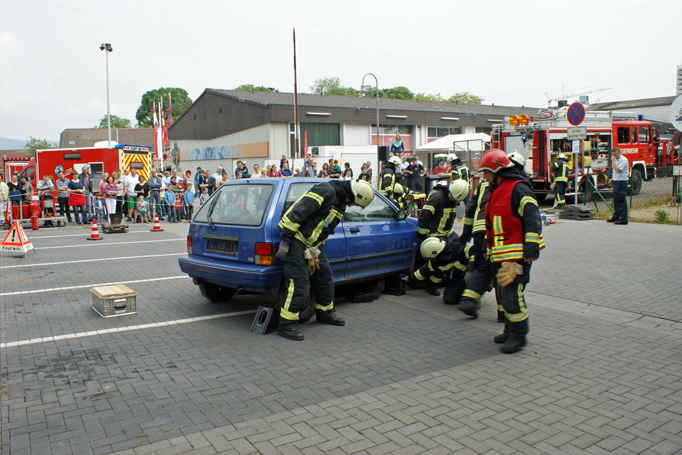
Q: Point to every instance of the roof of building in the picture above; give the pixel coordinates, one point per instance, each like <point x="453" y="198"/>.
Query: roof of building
<point x="307" y="99"/>
<point x="629" y="104"/>
<point x="16" y="153"/>
<point x="87" y="137"/>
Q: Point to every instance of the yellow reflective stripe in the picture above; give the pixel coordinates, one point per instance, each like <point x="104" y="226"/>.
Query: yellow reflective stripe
<point x="509" y="247"/>
<point x="423" y="230"/>
<point x="324" y="307"/>
<point x="314" y="196"/>
<point x="468" y="293"/>
<point x="285" y="223"/>
<point x="468" y="221"/>
<point x="532" y="237"/>
<point x="459" y="266"/>
<point x="429" y="208"/>
<point x="436" y="280"/>
<point x="517" y="317"/>
<point x="467" y="251"/>
<point x="418" y="276"/>
<point x="284" y="311"/>
<point x="431" y="267"/>
<point x="500" y="308"/>
<point x="502" y="257"/>
<point x="526" y="200"/>
<point x="444" y="219"/>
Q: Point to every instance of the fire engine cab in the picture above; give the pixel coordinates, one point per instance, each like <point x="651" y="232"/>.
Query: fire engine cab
<point x="541" y="139"/>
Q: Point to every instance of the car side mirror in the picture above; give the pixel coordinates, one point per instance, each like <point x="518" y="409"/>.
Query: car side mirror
<point x="401" y="215"/>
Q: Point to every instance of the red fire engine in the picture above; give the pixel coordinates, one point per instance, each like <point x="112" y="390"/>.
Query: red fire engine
<point x="541" y="139"/>
<point x="10" y="165"/>
<point x="98" y="159"/>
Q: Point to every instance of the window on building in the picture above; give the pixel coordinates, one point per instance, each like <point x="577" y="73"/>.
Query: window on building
<point x="388" y="133"/>
<point x="483" y="129"/>
<point x="435" y="132"/>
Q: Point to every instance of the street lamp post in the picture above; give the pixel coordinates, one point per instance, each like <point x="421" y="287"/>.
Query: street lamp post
<point x="108" y="48"/>
<point x="363" y="89"/>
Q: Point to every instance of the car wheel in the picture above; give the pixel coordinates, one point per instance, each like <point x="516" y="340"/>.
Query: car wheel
<point x="61" y="223"/>
<point x="306" y="313"/>
<point x="216" y="293"/>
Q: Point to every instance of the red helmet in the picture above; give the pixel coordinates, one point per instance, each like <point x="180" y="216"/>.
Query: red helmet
<point x="494" y="160"/>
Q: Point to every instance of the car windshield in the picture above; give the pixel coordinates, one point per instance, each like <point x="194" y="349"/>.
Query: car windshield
<point x="242" y="205"/>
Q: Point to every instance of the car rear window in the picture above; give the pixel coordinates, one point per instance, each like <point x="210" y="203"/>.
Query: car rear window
<point x="242" y="205"/>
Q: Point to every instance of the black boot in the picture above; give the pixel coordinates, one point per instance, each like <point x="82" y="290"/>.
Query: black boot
<point x="291" y="334"/>
<point x="501" y="338"/>
<point x="329" y="317"/>
<point x="366" y="297"/>
<point x="468" y="307"/>
<point x="433" y="291"/>
<point x="513" y="344"/>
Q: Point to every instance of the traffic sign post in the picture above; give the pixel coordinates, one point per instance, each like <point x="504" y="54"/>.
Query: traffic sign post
<point x="575" y="114"/>
<point x="676" y="113"/>
<point x="578" y="133"/>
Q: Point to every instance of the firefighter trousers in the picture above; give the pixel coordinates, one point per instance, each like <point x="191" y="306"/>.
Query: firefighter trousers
<point x="480" y="279"/>
<point x="560" y="193"/>
<point x="298" y="283"/>
<point x="511" y="300"/>
<point x="453" y="291"/>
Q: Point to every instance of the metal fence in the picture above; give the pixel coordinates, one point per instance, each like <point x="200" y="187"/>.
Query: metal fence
<point x="649" y="201"/>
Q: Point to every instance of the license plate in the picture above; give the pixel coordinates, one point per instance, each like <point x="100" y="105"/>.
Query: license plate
<point x="221" y="246"/>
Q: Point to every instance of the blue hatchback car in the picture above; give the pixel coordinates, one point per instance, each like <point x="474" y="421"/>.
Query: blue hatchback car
<point x="234" y="236"/>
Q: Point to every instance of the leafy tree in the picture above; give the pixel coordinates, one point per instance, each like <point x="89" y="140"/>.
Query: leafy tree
<point x="180" y="103"/>
<point x="256" y="88"/>
<point x="34" y="144"/>
<point x="429" y="97"/>
<point x="397" y="93"/>
<point x="332" y="86"/>
<point x="465" y="98"/>
<point x="116" y="122"/>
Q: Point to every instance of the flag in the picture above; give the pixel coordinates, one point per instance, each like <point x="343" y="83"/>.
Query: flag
<point x="157" y="134"/>
<point x="170" y="113"/>
<point x="164" y="131"/>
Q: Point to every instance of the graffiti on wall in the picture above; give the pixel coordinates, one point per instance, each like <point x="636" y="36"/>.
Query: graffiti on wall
<point x="251" y="150"/>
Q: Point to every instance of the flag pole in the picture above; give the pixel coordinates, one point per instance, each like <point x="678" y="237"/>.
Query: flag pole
<point x="296" y="147"/>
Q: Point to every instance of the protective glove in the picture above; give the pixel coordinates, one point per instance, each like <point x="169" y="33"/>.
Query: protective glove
<point x="508" y="272"/>
<point x="552" y="185"/>
<point x="283" y="250"/>
<point x="310" y="255"/>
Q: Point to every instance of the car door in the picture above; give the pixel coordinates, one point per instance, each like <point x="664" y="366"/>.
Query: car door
<point x="376" y="242"/>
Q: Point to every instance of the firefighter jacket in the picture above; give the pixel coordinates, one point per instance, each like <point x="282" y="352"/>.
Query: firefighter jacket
<point x="400" y="201"/>
<point x="438" y="214"/>
<point x="459" y="171"/>
<point x="560" y="171"/>
<point x="513" y="222"/>
<point x="313" y="217"/>
<point x="387" y="181"/>
<point x="449" y="266"/>
<point x="474" y="216"/>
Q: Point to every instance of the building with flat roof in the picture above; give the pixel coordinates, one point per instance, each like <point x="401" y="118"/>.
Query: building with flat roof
<point x="87" y="137"/>
<point x="223" y="126"/>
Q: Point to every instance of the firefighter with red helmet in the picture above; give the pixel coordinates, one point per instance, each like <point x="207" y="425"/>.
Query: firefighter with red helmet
<point x="513" y="242"/>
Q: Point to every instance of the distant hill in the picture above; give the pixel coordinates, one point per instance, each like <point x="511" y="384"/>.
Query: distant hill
<point x="13" y="144"/>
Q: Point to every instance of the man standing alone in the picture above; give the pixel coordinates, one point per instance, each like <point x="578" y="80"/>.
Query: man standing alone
<point x="620" y="187"/>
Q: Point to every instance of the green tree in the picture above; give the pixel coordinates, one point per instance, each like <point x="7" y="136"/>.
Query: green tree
<point x="256" y="88"/>
<point x="34" y="144"/>
<point x="397" y="93"/>
<point x="429" y="97"/>
<point x="332" y="86"/>
<point x="465" y="98"/>
<point x="116" y="122"/>
<point x="179" y="98"/>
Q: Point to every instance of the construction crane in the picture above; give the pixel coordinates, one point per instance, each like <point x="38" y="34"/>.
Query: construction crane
<point x="563" y="97"/>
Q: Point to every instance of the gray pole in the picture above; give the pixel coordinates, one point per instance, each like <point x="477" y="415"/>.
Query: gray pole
<point x="108" y="112"/>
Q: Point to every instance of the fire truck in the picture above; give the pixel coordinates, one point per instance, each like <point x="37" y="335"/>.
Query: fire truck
<point x="542" y="138"/>
<point x="98" y="159"/>
<point x="10" y="165"/>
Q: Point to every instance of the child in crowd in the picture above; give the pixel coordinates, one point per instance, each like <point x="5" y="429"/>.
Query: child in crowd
<point x="169" y="198"/>
<point x="142" y="207"/>
<point x="204" y="196"/>
<point x="189" y="202"/>
<point x="98" y="205"/>
<point x="347" y="172"/>
<point x="363" y="174"/>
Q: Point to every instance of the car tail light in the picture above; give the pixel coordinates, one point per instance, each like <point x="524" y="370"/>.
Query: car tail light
<point x="189" y="244"/>
<point x="265" y="254"/>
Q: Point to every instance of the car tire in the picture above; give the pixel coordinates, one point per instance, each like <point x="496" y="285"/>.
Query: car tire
<point x="306" y="313"/>
<point x="216" y="293"/>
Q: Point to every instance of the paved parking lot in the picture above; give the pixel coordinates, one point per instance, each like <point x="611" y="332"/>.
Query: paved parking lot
<point x="601" y="374"/>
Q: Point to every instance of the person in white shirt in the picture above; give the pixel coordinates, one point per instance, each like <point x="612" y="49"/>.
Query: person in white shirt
<point x="131" y="197"/>
<point x="620" y="178"/>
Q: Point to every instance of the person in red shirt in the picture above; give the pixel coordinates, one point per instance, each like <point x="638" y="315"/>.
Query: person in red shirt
<point x="442" y="168"/>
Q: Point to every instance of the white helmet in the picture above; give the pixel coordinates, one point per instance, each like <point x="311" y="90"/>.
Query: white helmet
<point x="431" y="247"/>
<point x="398" y="188"/>
<point x="451" y="157"/>
<point x="363" y="191"/>
<point x="517" y="158"/>
<point x="459" y="189"/>
<point x="561" y="156"/>
<point x="395" y="160"/>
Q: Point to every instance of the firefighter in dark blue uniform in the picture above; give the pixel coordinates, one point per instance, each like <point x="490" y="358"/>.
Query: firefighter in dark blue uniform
<point x="304" y="230"/>
<point x="560" y="174"/>
<point x="438" y="214"/>
<point x="388" y="176"/>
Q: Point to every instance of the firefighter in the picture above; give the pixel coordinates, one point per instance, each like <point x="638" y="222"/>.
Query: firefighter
<point x="458" y="170"/>
<point x="304" y="230"/>
<point x="560" y="179"/>
<point x="519" y="163"/>
<point x="438" y="214"/>
<point x="387" y="181"/>
<point x="474" y="227"/>
<point x="513" y="241"/>
<point x="399" y="193"/>
<point x="445" y="267"/>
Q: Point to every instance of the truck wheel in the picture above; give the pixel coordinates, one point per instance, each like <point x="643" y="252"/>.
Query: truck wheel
<point x="636" y="185"/>
<point x="6" y="226"/>
<point x="306" y="313"/>
<point x="216" y="293"/>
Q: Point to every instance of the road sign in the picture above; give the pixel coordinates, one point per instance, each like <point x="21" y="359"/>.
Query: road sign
<point x="575" y="114"/>
<point x="579" y="133"/>
<point x="676" y="113"/>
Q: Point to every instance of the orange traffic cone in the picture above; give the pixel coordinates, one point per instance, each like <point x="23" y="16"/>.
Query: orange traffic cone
<point x="95" y="231"/>
<point x="157" y="226"/>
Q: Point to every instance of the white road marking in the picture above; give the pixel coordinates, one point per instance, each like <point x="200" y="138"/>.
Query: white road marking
<point x="86" y="231"/>
<point x="84" y="286"/>
<point x="101" y="244"/>
<point x="122" y="329"/>
<point x="89" y="260"/>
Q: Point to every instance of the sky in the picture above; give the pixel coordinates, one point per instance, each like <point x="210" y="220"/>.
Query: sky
<point x="53" y="74"/>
